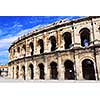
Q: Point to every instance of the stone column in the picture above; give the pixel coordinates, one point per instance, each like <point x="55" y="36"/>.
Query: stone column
<point x="47" y="70"/>
<point x="49" y="46"/>
<point x="14" y="72"/>
<point x="38" y="49"/>
<point x="73" y="37"/>
<point x="76" y="37"/>
<point x="58" y="40"/>
<point x="98" y="64"/>
<point x="29" y="73"/>
<point x="36" y="72"/>
<point x="61" y="40"/>
<point x="95" y="71"/>
<point x="15" y="52"/>
<point x="12" y="53"/>
<point x="20" y="77"/>
<point x="12" y="56"/>
<point x="21" y="53"/>
<point x="10" y="72"/>
<point x="45" y="43"/>
<point x="92" y="33"/>
<point x="35" y="49"/>
<point x="26" y="71"/>
<point x="27" y="48"/>
<point x="21" y="72"/>
<point x="60" y="69"/>
<point x="79" y="74"/>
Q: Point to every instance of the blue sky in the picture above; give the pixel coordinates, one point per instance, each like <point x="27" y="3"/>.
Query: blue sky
<point x="11" y="27"/>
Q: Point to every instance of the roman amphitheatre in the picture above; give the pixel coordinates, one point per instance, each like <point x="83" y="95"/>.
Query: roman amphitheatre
<point x="63" y="50"/>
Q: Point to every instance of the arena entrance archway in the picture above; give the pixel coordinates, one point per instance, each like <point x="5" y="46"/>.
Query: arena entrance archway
<point x="41" y="43"/>
<point x="85" y="37"/>
<point x="54" y="72"/>
<point x="24" y="49"/>
<point x="53" y="43"/>
<point x="41" y="67"/>
<point x="32" y="48"/>
<point x="69" y="70"/>
<point x="23" y="71"/>
<point x="88" y="69"/>
<point x="18" y="49"/>
<point x="67" y="39"/>
<point x="31" y="71"/>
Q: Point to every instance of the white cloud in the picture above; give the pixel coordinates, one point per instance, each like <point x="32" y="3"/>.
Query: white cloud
<point x="6" y="42"/>
<point x="24" y="32"/>
<point x="28" y="30"/>
<point x="16" y="25"/>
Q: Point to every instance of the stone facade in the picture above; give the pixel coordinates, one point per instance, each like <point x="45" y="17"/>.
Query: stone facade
<point x="64" y="50"/>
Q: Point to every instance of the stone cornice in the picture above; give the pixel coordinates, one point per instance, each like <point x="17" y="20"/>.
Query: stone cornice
<point x="90" y="48"/>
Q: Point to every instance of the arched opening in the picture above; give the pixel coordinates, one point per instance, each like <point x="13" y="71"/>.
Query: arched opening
<point x="41" y="67"/>
<point x="54" y="72"/>
<point x="14" y="52"/>
<point x="41" y="43"/>
<point x="69" y="70"/>
<point x="67" y="40"/>
<point x="88" y="69"/>
<point x="31" y="71"/>
<point x="24" y="47"/>
<point x="85" y="37"/>
<point x="18" y="49"/>
<point x="53" y="43"/>
<point x="32" y="48"/>
<point x="23" y="71"/>
<point x="17" y="72"/>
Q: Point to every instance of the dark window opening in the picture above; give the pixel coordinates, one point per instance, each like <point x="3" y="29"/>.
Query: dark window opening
<point x="85" y="37"/>
<point x="17" y="72"/>
<point x="14" y="52"/>
<point x="53" y="43"/>
<point x="88" y="69"/>
<point x="41" y="43"/>
<point x="23" y="69"/>
<point x="67" y="39"/>
<point x="18" y="49"/>
<point x="32" y="48"/>
<point x="54" y="72"/>
<point x="31" y="71"/>
<point x="24" y="47"/>
<point x="41" y="67"/>
<point x="69" y="70"/>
